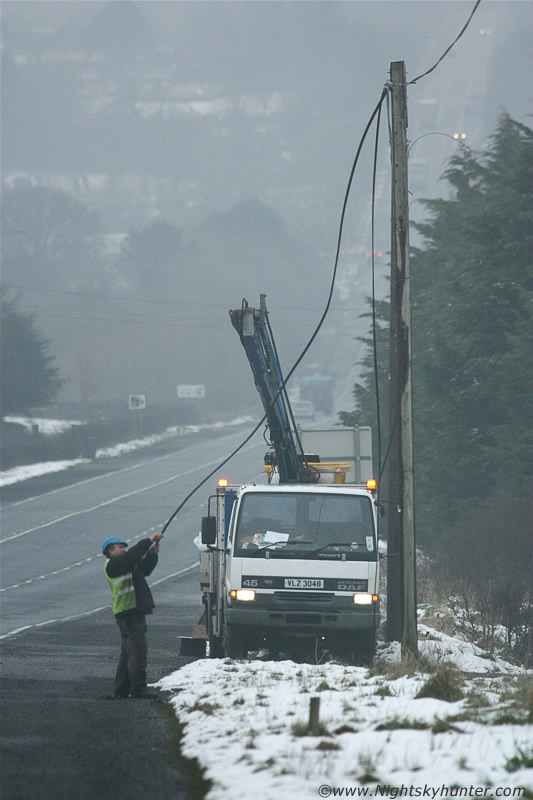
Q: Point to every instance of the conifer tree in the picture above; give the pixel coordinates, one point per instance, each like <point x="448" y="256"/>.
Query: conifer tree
<point x="471" y="284"/>
<point x="28" y="376"/>
<point x="471" y="316"/>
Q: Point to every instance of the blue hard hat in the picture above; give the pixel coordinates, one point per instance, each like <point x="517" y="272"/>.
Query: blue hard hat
<point x="112" y="540"/>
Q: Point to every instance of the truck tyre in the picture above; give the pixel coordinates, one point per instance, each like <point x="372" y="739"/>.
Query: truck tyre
<point x="216" y="649"/>
<point x="235" y="642"/>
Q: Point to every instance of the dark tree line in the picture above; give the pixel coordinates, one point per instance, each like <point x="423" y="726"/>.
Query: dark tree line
<point x="472" y="353"/>
<point x="29" y="377"/>
<point x="49" y="240"/>
<point x="472" y="285"/>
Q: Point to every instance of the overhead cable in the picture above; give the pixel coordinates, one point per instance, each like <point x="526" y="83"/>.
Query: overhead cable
<point x="465" y="26"/>
<point x="315" y="332"/>
<point x="374" y="321"/>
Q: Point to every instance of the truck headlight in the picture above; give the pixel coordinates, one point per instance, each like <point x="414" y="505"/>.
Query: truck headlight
<point x="365" y="599"/>
<point x="245" y="595"/>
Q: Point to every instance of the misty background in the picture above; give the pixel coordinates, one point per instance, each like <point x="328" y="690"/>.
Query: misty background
<point x="163" y="160"/>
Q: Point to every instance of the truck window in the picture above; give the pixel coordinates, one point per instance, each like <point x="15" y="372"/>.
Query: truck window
<point x="298" y="523"/>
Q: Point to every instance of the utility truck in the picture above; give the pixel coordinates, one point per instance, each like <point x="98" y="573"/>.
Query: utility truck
<point x="292" y="562"/>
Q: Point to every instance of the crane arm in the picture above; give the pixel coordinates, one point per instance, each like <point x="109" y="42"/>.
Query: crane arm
<point x="257" y="338"/>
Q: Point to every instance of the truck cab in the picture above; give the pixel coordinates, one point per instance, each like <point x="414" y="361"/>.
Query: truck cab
<point x="295" y="563"/>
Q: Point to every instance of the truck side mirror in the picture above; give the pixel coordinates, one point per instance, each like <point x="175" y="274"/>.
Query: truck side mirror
<point x="209" y="530"/>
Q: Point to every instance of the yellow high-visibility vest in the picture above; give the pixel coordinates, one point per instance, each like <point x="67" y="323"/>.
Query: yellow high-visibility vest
<point x="123" y="591"/>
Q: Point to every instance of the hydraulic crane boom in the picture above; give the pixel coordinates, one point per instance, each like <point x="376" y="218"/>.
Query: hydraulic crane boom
<point x="256" y="337"/>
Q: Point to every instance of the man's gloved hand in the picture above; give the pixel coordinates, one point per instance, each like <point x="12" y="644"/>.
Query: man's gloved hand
<point x="156" y="538"/>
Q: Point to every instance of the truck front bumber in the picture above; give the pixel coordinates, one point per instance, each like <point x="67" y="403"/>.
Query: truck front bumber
<point x="307" y="612"/>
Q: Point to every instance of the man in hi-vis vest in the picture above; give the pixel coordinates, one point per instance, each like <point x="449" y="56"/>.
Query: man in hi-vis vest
<point x="132" y="600"/>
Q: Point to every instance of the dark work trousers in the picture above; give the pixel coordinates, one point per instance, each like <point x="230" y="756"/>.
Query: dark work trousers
<point x="130" y="677"/>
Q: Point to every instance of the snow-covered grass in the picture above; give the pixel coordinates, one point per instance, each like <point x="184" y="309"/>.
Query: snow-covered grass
<point x="144" y="441"/>
<point x="50" y="427"/>
<point x="23" y="473"/>
<point x="247" y="723"/>
<point x="170" y="433"/>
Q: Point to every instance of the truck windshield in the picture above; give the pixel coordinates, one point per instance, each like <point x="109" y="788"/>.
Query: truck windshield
<point x="305" y="525"/>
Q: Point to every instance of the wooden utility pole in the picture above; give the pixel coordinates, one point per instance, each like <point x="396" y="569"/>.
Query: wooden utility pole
<point x="401" y="582"/>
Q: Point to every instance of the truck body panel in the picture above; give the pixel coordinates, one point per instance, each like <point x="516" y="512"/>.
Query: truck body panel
<point x="350" y="445"/>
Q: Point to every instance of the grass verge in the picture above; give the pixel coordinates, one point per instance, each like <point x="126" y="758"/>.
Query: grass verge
<point x="197" y="784"/>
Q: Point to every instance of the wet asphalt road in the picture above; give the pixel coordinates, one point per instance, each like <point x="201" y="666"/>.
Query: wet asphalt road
<point x="61" y="740"/>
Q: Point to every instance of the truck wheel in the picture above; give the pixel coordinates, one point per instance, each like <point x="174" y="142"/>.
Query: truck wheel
<point x="235" y="645"/>
<point x="216" y="649"/>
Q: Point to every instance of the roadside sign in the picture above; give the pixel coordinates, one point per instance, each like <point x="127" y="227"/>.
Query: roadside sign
<point x="137" y="402"/>
<point x="191" y="391"/>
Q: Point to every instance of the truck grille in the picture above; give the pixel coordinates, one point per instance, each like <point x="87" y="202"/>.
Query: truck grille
<point x="304" y="619"/>
<point x="304" y="597"/>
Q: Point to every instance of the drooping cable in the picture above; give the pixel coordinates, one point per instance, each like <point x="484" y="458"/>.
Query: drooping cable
<point x="391" y="432"/>
<point x="374" y="320"/>
<point x="393" y="428"/>
<point x="245" y="441"/>
<point x="443" y="56"/>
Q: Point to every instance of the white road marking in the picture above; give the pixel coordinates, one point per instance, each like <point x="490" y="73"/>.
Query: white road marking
<point x="142" y="535"/>
<point x="175" y="574"/>
<point x="94" y="610"/>
<point x="87" y="480"/>
<point x="112" y="500"/>
<point x="106" y="475"/>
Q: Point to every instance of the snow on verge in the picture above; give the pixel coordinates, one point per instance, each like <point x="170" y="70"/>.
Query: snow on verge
<point x="23" y="473"/>
<point x="48" y="427"/>
<point x="9" y="476"/>
<point x="246" y="723"/>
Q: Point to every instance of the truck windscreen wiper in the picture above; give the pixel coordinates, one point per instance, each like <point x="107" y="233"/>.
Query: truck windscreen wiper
<point x="265" y="547"/>
<point x="286" y="546"/>
<point x="300" y="541"/>
<point x="327" y="546"/>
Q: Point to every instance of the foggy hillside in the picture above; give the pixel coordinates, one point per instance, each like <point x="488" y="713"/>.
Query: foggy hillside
<point x="163" y="160"/>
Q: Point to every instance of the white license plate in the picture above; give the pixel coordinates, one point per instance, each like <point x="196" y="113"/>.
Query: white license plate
<point x="304" y="583"/>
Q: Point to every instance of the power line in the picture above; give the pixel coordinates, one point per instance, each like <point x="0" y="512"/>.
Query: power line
<point x="465" y="26"/>
<point x="374" y="321"/>
<point x="110" y="316"/>
<point x="77" y="315"/>
<point x="315" y="332"/>
<point x="136" y="299"/>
